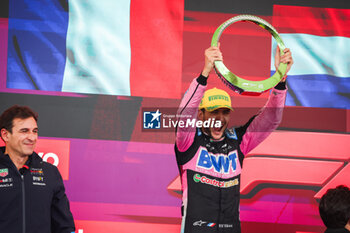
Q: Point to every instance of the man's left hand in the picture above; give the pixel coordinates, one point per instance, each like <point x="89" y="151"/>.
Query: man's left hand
<point x="285" y="58"/>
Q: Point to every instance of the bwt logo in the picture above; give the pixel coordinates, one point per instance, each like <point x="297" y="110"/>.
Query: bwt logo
<point x="219" y="162"/>
<point x="151" y="120"/>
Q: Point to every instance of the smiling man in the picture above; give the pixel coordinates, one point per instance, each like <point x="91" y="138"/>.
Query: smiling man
<point x="210" y="158"/>
<point x="32" y="194"/>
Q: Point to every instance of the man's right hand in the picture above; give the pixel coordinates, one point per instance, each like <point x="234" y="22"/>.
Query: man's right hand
<point x="211" y="54"/>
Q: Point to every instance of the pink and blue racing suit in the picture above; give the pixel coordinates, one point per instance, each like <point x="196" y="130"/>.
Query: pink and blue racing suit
<point x="210" y="169"/>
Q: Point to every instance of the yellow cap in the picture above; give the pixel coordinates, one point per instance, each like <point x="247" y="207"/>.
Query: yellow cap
<point x="215" y="98"/>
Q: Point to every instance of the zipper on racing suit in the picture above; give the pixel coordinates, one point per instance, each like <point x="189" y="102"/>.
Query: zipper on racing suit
<point x="24" y="205"/>
<point x="23" y="199"/>
<point x="219" y="147"/>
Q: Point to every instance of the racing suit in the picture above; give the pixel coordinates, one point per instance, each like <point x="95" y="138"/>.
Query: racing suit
<point x="33" y="199"/>
<point x="210" y="169"/>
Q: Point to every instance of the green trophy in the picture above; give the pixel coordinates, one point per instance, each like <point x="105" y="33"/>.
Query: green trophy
<point x="240" y="85"/>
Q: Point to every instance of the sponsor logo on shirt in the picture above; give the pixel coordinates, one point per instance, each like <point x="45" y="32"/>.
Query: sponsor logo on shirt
<point x="221" y="163"/>
<point x="4" y="172"/>
<point x="199" y="223"/>
<point x="6" y="180"/>
<point x="38" y="178"/>
<point x="222" y="184"/>
<point x="37" y="171"/>
<point x="40" y="184"/>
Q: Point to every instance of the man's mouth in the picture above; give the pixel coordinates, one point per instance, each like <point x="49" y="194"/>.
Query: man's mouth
<point x="217" y="129"/>
<point x="29" y="144"/>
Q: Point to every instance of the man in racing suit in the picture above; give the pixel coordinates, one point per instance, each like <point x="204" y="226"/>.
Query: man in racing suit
<point x="210" y="159"/>
<point x="32" y="194"/>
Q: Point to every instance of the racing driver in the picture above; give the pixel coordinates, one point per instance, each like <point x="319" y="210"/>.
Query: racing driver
<point x="210" y="159"/>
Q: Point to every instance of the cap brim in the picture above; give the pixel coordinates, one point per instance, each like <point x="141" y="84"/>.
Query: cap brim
<point x="214" y="108"/>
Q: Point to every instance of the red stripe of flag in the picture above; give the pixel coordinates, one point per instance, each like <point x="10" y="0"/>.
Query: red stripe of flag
<point x="156" y="48"/>
<point x="311" y="20"/>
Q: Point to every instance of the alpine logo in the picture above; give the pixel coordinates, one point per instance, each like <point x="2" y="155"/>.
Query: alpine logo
<point x="220" y="162"/>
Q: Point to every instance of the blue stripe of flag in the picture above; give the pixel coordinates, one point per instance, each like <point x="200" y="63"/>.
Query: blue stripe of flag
<point x="36" y="44"/>
<point x="320" y="76"/>
<point x="321" y="91"/>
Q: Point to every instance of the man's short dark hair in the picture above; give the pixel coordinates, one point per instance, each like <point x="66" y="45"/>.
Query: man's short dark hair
<point x="335" y="207"/>
<point x="21" y="112"/>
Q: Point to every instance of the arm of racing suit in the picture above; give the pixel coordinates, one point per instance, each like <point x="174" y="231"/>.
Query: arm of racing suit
<point x="188" y="110"/>
<point x="267" y="120"/>
<point x="61" y="216"/>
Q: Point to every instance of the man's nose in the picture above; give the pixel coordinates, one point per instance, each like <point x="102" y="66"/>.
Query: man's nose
<point x="219" y="116"/>
<point x="32" y="136"/>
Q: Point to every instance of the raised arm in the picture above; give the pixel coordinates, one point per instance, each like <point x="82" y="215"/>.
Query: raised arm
<point x="270" y="116"/>
<point x="189" y="105"/>
<point x="188" y="110"/>
<point x="267" y="120"/>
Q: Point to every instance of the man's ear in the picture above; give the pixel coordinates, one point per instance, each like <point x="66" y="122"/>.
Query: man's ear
<point x="4" y="134"/>
<point x="200" y="115"/>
